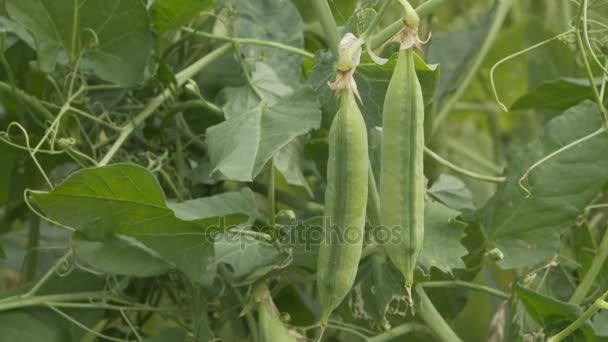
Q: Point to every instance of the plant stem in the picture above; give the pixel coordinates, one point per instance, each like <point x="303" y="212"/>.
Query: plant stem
<point x="597" y="305"/>
<point x="583" y="51"/>
<point x="433" y="319"/>
<point x="330" y="28"/>
<point x="501" y="11"/>
<point x="596" y="266"/>
<point x="462" y="171"/>
<point x="423" y="11"/>
<point x="30" y="262"/>
<point x="250" y="41"/>
<point x="470" y="286"/>
<point x="32" y="101"/>
<point x="182" y="77"/>
<point x="45" y="278"/>
<point x="399" y="331"/>
<point x="271" y="197"/>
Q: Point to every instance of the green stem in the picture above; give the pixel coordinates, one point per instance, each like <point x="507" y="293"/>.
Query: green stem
<point x="250" y="41"/>
<point x="328" y="23"/>
<point x="399" y="331"/>
<point x="30" y="261"/>
<point x="423" y="11"/>
<point x="501" y="11"/>
<point x="23" y="301"/>
<point x="248" y="316"/>
<point x="182" y="77"/>
<point x="583" y="51"/>
<point x="271" y="197"/>
<point x="598" y="305"/>
<point x="433" y="319"/>
<point x="48" y="275"/>
<point x="32" y="101"/>
<point x="462" y="171"/>
<point x="594" y="270"/>
<point x="470" y="286"/>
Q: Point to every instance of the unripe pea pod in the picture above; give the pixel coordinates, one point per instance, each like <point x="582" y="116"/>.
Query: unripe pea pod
<point x="345" y="205"/>
<point x="402" y="182"/>
<point x="271" y="327"/>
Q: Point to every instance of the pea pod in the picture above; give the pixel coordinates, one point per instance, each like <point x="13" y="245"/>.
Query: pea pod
<point x="402" y="182"/>
<point x="345" y="205"/>
<point x="271" y="327"/>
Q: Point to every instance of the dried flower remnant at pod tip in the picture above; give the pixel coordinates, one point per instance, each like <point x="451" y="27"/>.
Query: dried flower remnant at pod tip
<point x="349" y="58"/>
<point x="408" y="38"/>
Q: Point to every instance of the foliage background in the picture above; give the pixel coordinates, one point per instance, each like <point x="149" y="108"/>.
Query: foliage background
<point x="189" y="120"/>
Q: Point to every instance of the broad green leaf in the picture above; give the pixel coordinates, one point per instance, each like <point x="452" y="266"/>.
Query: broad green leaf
<point x="553" y="315"/>
<point x="525" y="228"/>
<point x="248" y="258"/>
<point x="453" y="192"/>
<point x="360" y="20"/>
<point x="271" y="20"/>
<point x="123" y="199"/>
<point x="111" y="36"/>
<point x="372" y="81"/>
<point x="442" y="247"/>
<point x="171" y="14"/>
<point x="126" y="199"/>
<point x="256" y="129"/>
<point x="559" y="94"/>
<point x="120" y="255"/>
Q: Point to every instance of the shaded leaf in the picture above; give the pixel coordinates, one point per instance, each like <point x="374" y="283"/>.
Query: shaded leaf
<point x="527" y="229"/>
<point x="559" y="94"/>
<point x="442" y="247"/>
<point x="170" y="14"/>
<point x="272" y="20"/>
<point x="112" y="36"/>
<point x="120" y="255"/>
<point x="255" y="130"/>
<point x="453" y="192"/>
<point x="553" y="315"/>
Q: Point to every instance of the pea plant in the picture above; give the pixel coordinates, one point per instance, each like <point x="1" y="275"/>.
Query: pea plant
<point x="303" y="170"/>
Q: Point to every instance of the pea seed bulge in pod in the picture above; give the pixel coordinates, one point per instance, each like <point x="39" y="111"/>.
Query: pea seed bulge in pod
<point x="303" y="170"/>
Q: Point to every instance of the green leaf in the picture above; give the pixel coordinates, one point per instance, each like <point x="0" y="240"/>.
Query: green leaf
<point x="342" y="10"/>
<point x="600" y="324"/>
<point x="289" y="162"/>
<point x="126" y="199"/>
<point x="553" y="315"/>
<point x="372" y="82"/>
<point x="111" y="36"/>
<point x="120" y="255"/>
<point x="256" y="129"/>
<point x="526" y="229"/>
<point x="557" y="94"/>
<point x="453" y="192"/>
<point x="171" y="14"/>
<point x="456" y="50"/>
<point x="248" y="258"/>
<point x="442" y="248"/>
<point x="168" y="335"/>
<point x="272" y="20"/>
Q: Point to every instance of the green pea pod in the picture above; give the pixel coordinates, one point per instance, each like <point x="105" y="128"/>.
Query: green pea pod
<point x="345" y="206"/>
<point x="402" y="182"/>
<point x="271" y="327"/>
